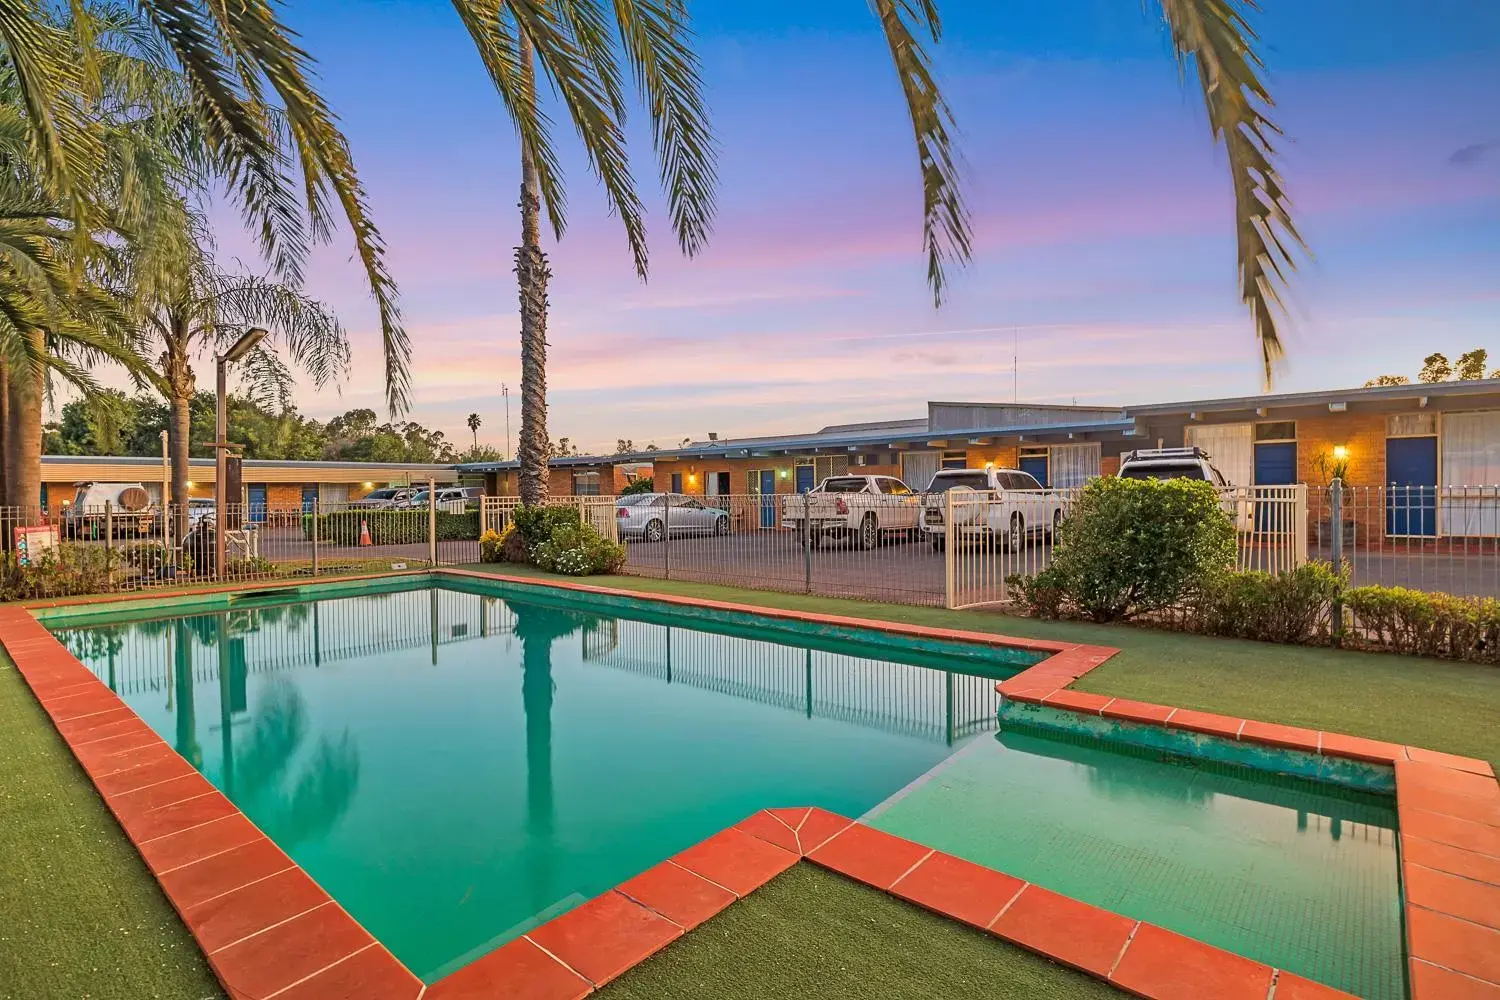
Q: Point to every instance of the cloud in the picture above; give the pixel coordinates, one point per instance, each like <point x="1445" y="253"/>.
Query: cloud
<point x="1469" y="155"/>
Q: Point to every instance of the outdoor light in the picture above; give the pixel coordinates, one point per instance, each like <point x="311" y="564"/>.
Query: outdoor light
<point x="783" y="473"/>
<point x="1340" y="452"/>
<point x="245" y="344"/>
<point x="190" y="484"/>
<point x="989" y="465"/>
<point x="369" y="486"/>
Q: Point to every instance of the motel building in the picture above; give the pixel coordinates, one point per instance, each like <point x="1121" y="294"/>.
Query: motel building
<point x="1434" y="448"/>
<point x="268" y="485"/>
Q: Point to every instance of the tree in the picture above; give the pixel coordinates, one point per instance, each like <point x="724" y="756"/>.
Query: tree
<point x="1435" y="368"/>
<point x="561" y="448"/>
<point x="474" y="423"/>
<point x="1470" y="365"/>
<point x="624" y="446"/>
<point x="230" y="56"/>
<point x="188" y="306"/>
<point x="1388" y="380"/>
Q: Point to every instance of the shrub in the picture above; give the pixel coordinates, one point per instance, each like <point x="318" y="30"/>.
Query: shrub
<point x="577" y="550"/>
<point x="1412" y="621"/>
<point x="537" y="524"/>
<point x="1294" y="607"/>
<point x="1042" y="594"/>
<point x="391" y="527"/>
<point x="65" y="571"/>
<point x="489" y="545"/>
<point x="640" y="484"/>
<point x="1134" y="546"/>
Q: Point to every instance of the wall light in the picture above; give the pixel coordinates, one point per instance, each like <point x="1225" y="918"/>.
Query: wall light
<point x="1340" y="452"/>
<point x="369" y="486"/>
<point x="190" y="484"/>
<point x="783" y="473"/>
<point x="988" y="466"/>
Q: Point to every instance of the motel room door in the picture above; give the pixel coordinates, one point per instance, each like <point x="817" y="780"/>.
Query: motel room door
<point x="763" y="485"/>
<point x="805" y="478"/>
<point x="1036" y="463"/>
<point x="1275" y="465"/>
<point x="1411" y="472"/>
<point x="257" y="495"/>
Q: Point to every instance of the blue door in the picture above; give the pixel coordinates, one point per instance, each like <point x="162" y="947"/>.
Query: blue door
<point x="1411" y="466"/>
<point x="309" y="498"/>
<point x="1275" y="465"/>
<point x="257" y="504"/>
<point x="1037" y="466"/>
<point x="805" y="478"/>
<point x="768" y="498"/>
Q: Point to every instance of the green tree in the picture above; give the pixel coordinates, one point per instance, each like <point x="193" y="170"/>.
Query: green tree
<point x="1435" y="368"/>
<point x="1388" y="380"/>
<point x="1470" y="365"/>
<point x="474" y="423"/>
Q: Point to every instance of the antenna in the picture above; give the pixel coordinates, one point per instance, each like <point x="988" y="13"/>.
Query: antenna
<point x="1015" y="364"/>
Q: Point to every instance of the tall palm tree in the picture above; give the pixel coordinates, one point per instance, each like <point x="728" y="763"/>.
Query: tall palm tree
<point x="259" y="116"/>
<point x="474" y="423"/>
<point x="188" y="305"/>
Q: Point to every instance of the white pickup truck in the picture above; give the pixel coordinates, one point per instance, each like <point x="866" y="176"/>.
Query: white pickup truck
<point x="1003" y="504"/>
<point x="859" y="508"/>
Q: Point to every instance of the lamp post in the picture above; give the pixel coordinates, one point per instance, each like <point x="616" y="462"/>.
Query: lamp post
<point x="241" y="347"/>
<point x="505" y="391"/>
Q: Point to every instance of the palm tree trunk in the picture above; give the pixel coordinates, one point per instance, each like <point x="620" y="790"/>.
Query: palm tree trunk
<point x="531" y="278"/>
<point x="4" y="443"/>
<point x="23" y="439"/>
<point x="181" y="385"/>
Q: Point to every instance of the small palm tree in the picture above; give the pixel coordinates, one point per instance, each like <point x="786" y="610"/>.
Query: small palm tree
<point x="188" y="305"/>
<point x="474" y="423"/>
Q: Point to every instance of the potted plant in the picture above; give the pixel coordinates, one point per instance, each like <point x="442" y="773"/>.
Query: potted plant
<point x="1334" y="465"/>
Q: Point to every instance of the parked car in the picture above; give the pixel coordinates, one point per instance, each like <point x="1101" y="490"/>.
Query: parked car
<point x="1016" y="507"/>
<point x="453" y="499"/>
<point x="386" y="496"/>
<point x="649" y="516"/>
<point x="1170" y="463"/>
<point x="126" y="505"/>
<point x="862" y="509"/>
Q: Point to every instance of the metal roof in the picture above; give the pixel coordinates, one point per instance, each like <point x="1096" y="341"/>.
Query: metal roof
<point x="746" y="448"/>
<point x="251" y="463"/>
<point x="1322" y="397"/>
<point x="566" y="461"/>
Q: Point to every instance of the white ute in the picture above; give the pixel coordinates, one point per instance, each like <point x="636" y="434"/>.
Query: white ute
<point x="860" y="508"/>
<point x="1016" y="505"/>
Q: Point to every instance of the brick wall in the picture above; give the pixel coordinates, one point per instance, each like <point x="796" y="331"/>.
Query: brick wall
<point x="1362" y="433"/>
<point x="1003" y="456"/>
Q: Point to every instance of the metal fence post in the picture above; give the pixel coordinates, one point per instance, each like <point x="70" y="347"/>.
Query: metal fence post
<point x="317" y="510"/>
<point x="806" y="545"/>
<point x="950" y="599"/>
<point x="109" y="529"/>
<point x="431" y="522"/>
<point x="1336" y="551"/>
<point x="666" y="535"/>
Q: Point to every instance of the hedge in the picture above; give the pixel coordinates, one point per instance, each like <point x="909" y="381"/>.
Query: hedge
<point x="391" y="527"/>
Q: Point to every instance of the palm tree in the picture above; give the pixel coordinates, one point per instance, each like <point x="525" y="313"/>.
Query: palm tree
<point x="258" y="115"/>
<point x="187" y="304"/>
<point x="474" y="423"/>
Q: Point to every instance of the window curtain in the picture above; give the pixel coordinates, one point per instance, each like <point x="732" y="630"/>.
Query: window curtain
<point x="1230" y="447"/>
<point x="1073" y="464"/>
<point x="1470" y="474"/>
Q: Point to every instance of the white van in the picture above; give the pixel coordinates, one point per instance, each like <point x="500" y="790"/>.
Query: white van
<point x="127" y="505"/>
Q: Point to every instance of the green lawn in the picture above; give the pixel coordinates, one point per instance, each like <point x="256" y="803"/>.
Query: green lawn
<point x="80" y="916"/>
<point x="811" y="934"/>
<point x="1437" y="704"/>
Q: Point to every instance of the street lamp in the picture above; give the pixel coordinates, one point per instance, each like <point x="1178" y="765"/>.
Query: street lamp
<point x="237" y="352"/>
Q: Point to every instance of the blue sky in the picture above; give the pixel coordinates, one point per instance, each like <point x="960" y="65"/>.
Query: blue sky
<point x="1102" y="215"/>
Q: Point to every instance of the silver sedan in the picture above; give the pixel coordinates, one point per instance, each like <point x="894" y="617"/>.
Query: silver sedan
<point x="648" y="516"/>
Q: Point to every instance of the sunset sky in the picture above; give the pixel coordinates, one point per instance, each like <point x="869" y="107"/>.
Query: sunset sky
<point x="1102" y="214"/>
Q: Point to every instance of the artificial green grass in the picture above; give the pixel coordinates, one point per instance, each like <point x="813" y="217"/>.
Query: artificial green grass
<point x="1438" y="704"/>
<point x="811" y="934"/>
<point x="80" y="915"/>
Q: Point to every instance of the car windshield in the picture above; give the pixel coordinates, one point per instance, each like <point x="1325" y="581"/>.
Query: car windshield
<point x="973" y="480"/>
<point x="851" y="485"/>
<point x="1163" y="470"/>
<point x="635" y="500"/>
<point x="382" y="494"/>
<point x="419" y="498"/>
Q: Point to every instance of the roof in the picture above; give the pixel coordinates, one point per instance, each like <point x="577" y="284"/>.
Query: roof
<point x="747" y="447"/>
<point x="152" y="461"/>
<point x="1322" y="397"/>
<point x="560" y="462"/>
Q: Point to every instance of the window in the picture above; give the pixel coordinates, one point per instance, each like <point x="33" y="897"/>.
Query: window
<point x="955" y="460"/>
<point x="585" y="484"/>
<point x="1022" y="481"/>
<point x="1276" y="430"/>
<point x="973" y="480"/>
<point x="676" y="482"/>
<point x="1411" y="425"/>
<point x="895" y="487"/>
<point x="850" y="485"/>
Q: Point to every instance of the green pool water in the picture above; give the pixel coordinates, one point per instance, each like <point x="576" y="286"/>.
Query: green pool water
<point x="457" y="764"/>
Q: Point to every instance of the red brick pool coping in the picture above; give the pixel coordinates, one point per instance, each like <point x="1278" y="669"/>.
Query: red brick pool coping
<point x="269" y="931"/>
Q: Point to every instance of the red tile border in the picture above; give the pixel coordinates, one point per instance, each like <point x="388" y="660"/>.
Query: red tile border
<point x="262" y="926"/>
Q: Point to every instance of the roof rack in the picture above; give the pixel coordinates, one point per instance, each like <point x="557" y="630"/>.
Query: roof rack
<point x="1149" y="454"/>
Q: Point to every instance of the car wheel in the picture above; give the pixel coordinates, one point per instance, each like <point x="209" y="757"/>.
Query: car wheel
<point x="1016" y="536"/>
<point x="653" y="531"/>
<point x="721" y="525"/>
<point x="1057" y="520"/>
<point x="868" y="534"/>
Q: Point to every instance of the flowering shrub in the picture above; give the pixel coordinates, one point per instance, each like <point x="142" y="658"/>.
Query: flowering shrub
<point x="577" y="550"/>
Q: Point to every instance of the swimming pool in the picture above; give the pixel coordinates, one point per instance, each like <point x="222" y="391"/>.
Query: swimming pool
<point x="455" y="768"/>
<point x="457" y="764"/>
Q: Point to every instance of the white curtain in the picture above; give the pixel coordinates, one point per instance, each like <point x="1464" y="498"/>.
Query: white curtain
<point x="1230" y="447"/>
<point x="1471" y="474"/>
<point x="918" y="468"/>
<point x="1073" y="465"/>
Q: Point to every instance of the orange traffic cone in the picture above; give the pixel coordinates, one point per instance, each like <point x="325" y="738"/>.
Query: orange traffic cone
<point x="364" y="532"/>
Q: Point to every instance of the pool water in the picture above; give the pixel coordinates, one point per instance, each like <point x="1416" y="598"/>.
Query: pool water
<point x="456" y="766"/>
<point x="1296" y="875"/>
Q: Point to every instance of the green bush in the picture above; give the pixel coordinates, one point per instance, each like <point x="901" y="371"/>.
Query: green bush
<point x="1134" y="546"/>
<point x="65" y="571"/>
<point x="1294" y="607"/>
<point x="391" y="527"/>
<point x="640" y="484"/>
<point x="1412" y="621"/>
<point x="537" y="524"/>
<point x="577" y="550"/>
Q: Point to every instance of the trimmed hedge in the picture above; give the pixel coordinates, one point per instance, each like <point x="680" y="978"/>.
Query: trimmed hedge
<point x="1413" y="621"/>
<point x="391" y="527"/>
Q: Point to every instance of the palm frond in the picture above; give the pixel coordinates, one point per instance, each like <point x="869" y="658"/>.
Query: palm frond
<point x="1216" y="37"/>
<point x="658" y="42"/>
<point x="945" y="218"/>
